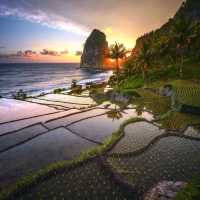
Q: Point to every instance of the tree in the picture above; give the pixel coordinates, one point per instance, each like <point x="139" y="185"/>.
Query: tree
<point x="182" y="32"/>
<point x="129" y="66"/>
<point x="114" y="114"/>
<point x="117" y="51"/>
<point x="144" y="59"/>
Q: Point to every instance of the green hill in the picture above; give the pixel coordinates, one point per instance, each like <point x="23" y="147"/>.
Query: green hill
<point x="177" y="41"/>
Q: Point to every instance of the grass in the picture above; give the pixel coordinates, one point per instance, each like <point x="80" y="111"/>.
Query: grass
<point x="131" y="83"/>
<point x="191" y="191"/>
<point x="178" y="121"/>
<point x="151" y="102"/>
<point x="188" y="95"/>
<point x="25" y="183"/>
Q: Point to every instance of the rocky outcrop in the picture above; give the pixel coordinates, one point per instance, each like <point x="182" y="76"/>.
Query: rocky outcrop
<point x="95" y="50"/>
<point x="165" y="190"/>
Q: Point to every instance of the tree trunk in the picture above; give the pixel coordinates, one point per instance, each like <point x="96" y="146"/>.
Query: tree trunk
<point x="117" y="70"/>
<point x="117" y="64"/>
<point x="144" y="74"/>
<point x="181" y="67"/>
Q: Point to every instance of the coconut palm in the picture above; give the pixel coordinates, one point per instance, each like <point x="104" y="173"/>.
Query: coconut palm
<point x="129" y="66"/>
<point x="144" y="58"/>
<point x="182" y="33"/>
<point x="117" y="51"/>
<point x="114" y="114"/>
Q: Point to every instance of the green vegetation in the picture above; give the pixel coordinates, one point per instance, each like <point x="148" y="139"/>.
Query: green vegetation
<point x="59" y="90"/>
<point x="191" y="191"/>
<point x="20" y="95"/>
<point x="114" y="114"/>
<point x="178" y="121"/>
<point x="152" y="102"/>
<point x="170" y="52"/>
<point x="131" y="83"/>
<point x="76" y="90"/>
<point x="188" y="95"/>
<point x="117" y="51"/>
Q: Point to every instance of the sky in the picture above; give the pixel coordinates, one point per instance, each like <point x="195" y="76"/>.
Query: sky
<point x="55" y="31"/>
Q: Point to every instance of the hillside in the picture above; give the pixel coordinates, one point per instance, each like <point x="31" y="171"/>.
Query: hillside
<point x="164" y="42"/>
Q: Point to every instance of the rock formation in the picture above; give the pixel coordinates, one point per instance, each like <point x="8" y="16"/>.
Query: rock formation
<point x="165" y="190"/>
<point x="95" y="50"/>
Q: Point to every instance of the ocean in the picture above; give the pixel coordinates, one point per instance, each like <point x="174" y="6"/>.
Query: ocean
<point x="37" y="78"/>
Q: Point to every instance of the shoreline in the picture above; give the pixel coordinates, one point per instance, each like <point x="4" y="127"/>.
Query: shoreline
<point x="84" y="76"/>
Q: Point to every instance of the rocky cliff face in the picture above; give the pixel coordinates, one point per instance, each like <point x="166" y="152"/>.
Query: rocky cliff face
<point x="95" y="50"/>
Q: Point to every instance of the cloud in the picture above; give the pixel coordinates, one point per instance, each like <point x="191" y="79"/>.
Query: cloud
<point x="20" y="53"/>
<point x="2" y="47"/>
<point x="31" y="53"/>
<point x="27" y="53"/>
<point x="49" y="52"/>
<point x="36" y="15"/>
<point x="64" y="52"/>
<point x="78" y="53"/>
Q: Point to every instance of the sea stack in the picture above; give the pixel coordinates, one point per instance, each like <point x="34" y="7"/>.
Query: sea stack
<point x="95" y="50"/>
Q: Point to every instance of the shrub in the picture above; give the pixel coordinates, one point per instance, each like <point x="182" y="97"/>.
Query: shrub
<point x="76" y="90"/>
<point x="58" y="90"/>
<point x="21" y="95"/>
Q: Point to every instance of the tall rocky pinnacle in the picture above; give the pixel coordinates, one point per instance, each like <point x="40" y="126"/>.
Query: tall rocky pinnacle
<point x="95" y="50"/>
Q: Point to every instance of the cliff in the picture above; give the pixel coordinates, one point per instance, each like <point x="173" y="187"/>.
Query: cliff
<point x="95" y="50"/>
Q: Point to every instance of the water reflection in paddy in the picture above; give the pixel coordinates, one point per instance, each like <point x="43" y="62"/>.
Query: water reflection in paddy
<point x="101" y="127"/>
<point x="171" y="158"/>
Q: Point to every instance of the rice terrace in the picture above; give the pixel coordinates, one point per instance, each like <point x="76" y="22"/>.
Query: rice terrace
<point x="92" y="108"/>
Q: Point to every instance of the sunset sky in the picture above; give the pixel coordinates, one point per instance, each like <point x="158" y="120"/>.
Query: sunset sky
<point x="55" y="30"/>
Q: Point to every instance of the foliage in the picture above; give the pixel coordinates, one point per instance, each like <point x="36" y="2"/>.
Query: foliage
<point x="117" y="51"/>
<point x="191" y="191"/>
<point x="76" y="90"/>
<point x="131" y="83"/>
<point x="144" y="58"/>
<point x="20" y="95"/>
<point x="188" y="95"/>
<point x="151" y="102"/>
<point x="97" y="94"/>
<point x="59" y="90"/>
<point x="182" y="32"/>
<point x="169" y="52"/>
<point x="114" y="114"/>
<point x="178" y="121"/>
<point x="130" y="66"/>
<point x="74" y="84"/>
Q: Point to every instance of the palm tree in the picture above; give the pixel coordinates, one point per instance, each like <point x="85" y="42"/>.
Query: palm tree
<point x="129" y="66"/>
<point x="144" y="58"/>
<point x="117" y="51"/>
<point x="182" y="33"/>
<point x="114" y="114"/>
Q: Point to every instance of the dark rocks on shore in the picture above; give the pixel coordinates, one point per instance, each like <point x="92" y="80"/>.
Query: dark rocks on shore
<point x="165" y="190"/>
<point x="95" y="50"/>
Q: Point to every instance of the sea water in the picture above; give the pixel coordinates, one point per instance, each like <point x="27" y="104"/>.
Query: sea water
<point x="37" y="78"/>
